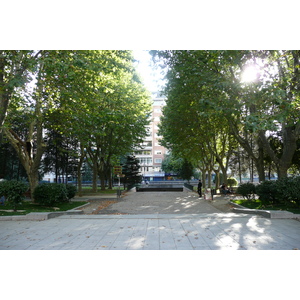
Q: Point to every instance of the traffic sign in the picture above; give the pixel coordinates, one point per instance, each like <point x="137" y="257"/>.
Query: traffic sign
<point x="117" y="170"/>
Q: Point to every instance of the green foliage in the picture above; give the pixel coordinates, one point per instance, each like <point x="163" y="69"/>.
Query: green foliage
<point x="285" y="191"/>
<point x="71" y="191"/>
<point x="258" y="204"/>
<point x="209" y="103"/>
<point x="13" y="191"/>
<point x="186" y="171"/>
<point x="131" y="171"/>
<point x="29" y="207"/>
<point x="10" y="166"/>
<point x="92" y="96"/>
<point x="232" y="182"/>
<point x="267" y="192"/>
<point x="49" y="194"/>
<point x="247" y="190"/>
<point x="289" y="190"/>
<point x="179" y="166"/>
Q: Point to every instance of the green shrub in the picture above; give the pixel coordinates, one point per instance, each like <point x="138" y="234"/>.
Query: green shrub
<point x="232" y="182"/>
<point x="267" y="192"/>
<point x="71" y="190"/>
<point x="288" y="190"/>
<point x="247" y="190"/>
<point x="50" y="193"/>
<point x="13" y="191"/>
<point x="285" y="191"/>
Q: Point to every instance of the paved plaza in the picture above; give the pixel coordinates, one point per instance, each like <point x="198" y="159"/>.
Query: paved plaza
<point x="154" y="221"/>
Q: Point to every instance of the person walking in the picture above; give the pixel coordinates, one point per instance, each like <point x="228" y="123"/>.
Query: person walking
<point x="199" y="189"/>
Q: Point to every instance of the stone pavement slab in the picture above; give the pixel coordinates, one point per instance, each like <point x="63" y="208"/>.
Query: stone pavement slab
<point x="207" y="231"/>
<point x="161" y="202"/>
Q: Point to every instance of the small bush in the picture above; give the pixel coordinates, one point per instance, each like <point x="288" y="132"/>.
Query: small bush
<point x="232" y="182"/>
<point x="267" y="192"/>
<point x="247" y="190"/>
<point x="285" y="191"/>
<point x="71" y="190"/>
<point x="288" y="190"/>
<point x="13" y="191"/>
<point x="50" y="193"/>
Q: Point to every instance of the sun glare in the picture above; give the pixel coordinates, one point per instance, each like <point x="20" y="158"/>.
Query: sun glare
<point x="250" y="74"/>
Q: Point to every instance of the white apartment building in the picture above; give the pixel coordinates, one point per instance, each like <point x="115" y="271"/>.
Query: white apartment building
<point x="151" y="154"/>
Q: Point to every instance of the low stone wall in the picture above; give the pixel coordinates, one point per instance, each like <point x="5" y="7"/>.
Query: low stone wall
<point x="159" y="188"/>
<point x="272" y="214"/>
<point x="189" y="186"/>
<point x="40" y="216"/>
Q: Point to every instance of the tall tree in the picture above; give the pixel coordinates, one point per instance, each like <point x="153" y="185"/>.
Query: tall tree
<point x="90" y="95"/>
<point x="131" y="171"/>
<point x="15" y="69"/>
<point x="267" y="105"/>
<point x="109" y="115"/>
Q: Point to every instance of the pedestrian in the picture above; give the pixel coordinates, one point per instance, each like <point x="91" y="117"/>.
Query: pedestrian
<point x="224" y="189"/>
<point x="199" y="189"/>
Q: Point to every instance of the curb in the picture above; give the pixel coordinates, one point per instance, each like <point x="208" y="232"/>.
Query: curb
<point x="271" y="214"/>
<point x="40" y="216"/>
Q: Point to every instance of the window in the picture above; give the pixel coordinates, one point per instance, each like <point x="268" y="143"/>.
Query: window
<point x="141" y="152"/>
<point x="158" y="160"/>
<point x="145" y="160"/>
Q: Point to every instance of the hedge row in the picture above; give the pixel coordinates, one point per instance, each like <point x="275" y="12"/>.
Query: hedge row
<point x="285" y="191"/>
<point x="13" y="191"/>
<point x="44" y="194"/>
<point x="51" y="193"/>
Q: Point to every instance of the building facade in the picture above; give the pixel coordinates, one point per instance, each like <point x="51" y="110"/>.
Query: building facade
<point x="151" y="154"/>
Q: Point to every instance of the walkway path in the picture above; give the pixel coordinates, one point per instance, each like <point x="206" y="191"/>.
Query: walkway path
<point x="154" y="221"/>
<point x="164" y="203"/>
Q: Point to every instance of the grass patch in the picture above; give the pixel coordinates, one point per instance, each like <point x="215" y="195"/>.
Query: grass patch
<point x="29" y="207"/>
<point x="86" y="191"/>
<point x="257" y="204"/>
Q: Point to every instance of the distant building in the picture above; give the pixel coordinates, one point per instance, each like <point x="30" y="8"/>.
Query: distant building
<point x="151" y="154"/>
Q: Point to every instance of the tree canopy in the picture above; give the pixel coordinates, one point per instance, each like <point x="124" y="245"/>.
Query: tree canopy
<point x="94" y="96"/>
<point x="209" y="95"/>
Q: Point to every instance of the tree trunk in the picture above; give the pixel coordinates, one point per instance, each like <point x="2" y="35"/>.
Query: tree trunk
<point x="33" y="179"/>
<point x="102" y="180"/>
<point x="203" y="172"/>
<point x="217" y="172"/>
<point x="79" y="176"/>
<point x="110" y="178"/>
<point x="260" y="162"/>
<point x="209" y="178"/>
<point x="95" y="177"/>
<point x="289" y="144"/>
<point x="31" y="164"/>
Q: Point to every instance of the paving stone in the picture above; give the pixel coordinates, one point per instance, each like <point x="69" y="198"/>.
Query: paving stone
<point x="187" y="223"/>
